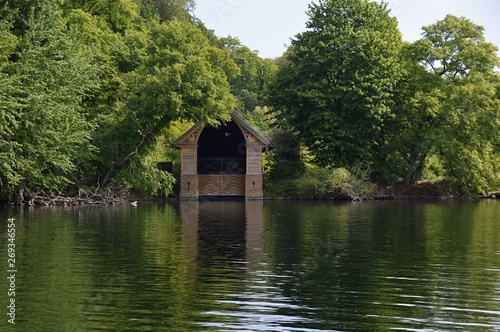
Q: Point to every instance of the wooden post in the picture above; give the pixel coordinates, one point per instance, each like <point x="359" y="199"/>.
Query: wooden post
<point x="189" y="171"/>
<point x="253" y="177"/>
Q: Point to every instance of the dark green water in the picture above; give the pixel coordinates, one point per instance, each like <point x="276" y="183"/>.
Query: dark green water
<point x="255" y="266"/>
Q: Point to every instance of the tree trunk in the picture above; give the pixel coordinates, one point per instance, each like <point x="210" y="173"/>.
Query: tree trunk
<point x="416" y="162"/>
<point x="412" y="167"/>
<point x="119" y="163"/>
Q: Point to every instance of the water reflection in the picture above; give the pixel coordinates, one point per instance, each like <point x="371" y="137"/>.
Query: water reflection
<point x="259" y="266"/>
<point x="231" y="230"/>
<point x="405" y="265"/>
<point x="225" y="240"/>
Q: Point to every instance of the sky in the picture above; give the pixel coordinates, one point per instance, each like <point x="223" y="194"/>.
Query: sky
<point x="267" y="26"/>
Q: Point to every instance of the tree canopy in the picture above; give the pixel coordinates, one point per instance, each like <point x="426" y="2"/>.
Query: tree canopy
<point x="89" y="89"/>
<point x="447" y="106"/>
<point x="337" y="80"/>
<point x="46" y="132"/>
<point x="354" y="94"/>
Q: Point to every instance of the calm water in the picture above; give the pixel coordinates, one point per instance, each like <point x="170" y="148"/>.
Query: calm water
<point x="256" y="266"/>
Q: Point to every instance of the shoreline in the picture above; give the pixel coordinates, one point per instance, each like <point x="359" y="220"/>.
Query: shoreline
<point x="423" y="191"/>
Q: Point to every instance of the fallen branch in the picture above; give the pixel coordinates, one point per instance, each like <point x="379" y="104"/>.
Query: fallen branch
<point x="111" y="197"/>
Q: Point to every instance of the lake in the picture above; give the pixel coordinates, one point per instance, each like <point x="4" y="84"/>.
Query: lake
<point x="253" y="266"/>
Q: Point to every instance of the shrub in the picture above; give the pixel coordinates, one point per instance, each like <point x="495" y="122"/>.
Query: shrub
<point x="324" y="183"/>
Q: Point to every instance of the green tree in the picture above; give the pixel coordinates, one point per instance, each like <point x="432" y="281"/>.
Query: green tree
<point x="255" y="73"/>
<point x="447" y="105"/>
<point x="168" y="9"/>
<point x="468" y="145"/>
<point x="9" y="115"/>
<point x="409" y="134"/>
<point x="335" y="86"/>
<point x="286" y="160"/>
<point x="118" y="14"/>
<point x="47" y="133"/>
<point x="90" y="88"/>
<point x="181" y="77"/>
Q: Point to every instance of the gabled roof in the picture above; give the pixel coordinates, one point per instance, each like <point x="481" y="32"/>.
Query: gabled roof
<point x="236" y="117"/>
<point x="189" y="132"/>
<point x="243" y="123"/>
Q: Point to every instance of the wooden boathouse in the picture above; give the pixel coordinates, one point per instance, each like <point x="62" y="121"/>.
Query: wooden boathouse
<point x="222" y="161"/>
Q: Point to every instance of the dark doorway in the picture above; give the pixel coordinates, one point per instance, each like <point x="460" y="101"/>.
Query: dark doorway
<point x="222" y="150"/>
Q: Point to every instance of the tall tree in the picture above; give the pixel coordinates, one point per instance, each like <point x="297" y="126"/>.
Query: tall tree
<point x="49" y="76"/>
<point x="181" y="77"/>
<point x="118" y="14"/>
<point x="255" y="73"/>
<point x="9" y="115"/>
<point x="408" y="135"/>
<point x="336" y="84"/>
<point x="168" y="9"/>
<point x="91" y="86"/>
<point x="446" y="106"/>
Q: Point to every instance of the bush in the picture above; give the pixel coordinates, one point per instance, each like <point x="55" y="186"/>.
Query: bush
<point x="313" y="184"/>
<point x="358" y="185"/>
<point x="285" y="160"/>
<point x="324" y="183"/>
<point x="317" y="183"/>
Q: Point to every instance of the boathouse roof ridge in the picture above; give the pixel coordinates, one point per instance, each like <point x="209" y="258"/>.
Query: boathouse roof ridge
<point x="244" y="123"/>
<point x="188" y="133"/>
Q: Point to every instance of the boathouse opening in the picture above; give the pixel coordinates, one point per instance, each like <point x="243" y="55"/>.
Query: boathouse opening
<point x="222" y="161"/>
<point x="222" y="150"/>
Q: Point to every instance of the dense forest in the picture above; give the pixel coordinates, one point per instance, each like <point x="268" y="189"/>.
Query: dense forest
<point x="92" y="93"/>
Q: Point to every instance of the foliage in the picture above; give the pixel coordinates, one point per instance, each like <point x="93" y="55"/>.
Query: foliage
<point x="335" y="183"/>
<point x="358" y="185"/>
<point x="181" y="77"/>
<point x="88" y="89"/>
<point x="335" y="85"/>
<point x="409" y="134"/>
<point x="321" y="182"/>
<point x="352" y="92"/>
<point x="472" y="136"/>
<point x="167" y="9"/>
<point x="118" y="14"/>
<point x="9" y="86"/>
<point x="47" y="133"/>
<point x="249" y="85"/>
<point x="447" y="105"/>
<point x="286" y="159"/>
<point x="143" y="176"/>
<point x="455" y="48"/>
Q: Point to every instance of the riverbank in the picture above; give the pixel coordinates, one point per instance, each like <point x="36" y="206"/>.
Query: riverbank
<point x="53" y="200"/>
<point x="398" y="192"/>
<point x="416" y="191"/>
<point x="423" y="190"/>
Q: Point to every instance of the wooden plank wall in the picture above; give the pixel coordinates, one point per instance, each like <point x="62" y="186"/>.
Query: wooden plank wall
<point x="221" y="185"/>
<point x="254" y="159"/>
